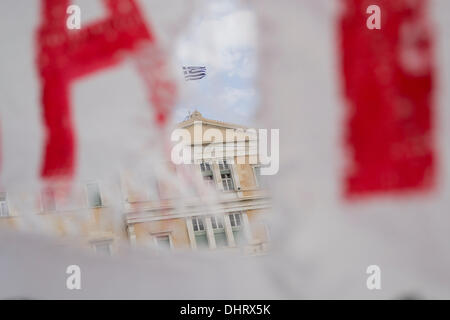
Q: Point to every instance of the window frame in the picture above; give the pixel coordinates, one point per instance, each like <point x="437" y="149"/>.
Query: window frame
<point x="102" y="204"/>
<point x="224" y="165"/>
<point x="203" y="223"/>
<point x="205" y="166"/>
<point x="157" y="235"/>
<point x="109" y="242"/>
<point x="227" y="182"/>
<point x="207" y="173"/>
<point x="198" y="232"/>
<point x="232" y="217"/>
<point x="219" y="222"/>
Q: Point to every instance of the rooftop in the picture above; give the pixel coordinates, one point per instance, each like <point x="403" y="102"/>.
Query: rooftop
<point x="197" y="116"/>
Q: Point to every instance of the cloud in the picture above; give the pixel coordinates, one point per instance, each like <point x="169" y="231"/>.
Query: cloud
<point x="220" y="43"/>
<point x="221" y="37"/>
<point x="232" y="96"/>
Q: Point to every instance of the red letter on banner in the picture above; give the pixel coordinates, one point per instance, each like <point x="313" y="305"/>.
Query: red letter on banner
<point x="388" y="86"/>
<point x="65" y="55"/>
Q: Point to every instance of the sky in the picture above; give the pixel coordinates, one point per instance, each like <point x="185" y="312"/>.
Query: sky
<point x="222" y="37"/>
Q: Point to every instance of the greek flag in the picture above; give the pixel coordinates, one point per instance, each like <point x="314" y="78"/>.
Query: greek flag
<point x="194" y="73"/>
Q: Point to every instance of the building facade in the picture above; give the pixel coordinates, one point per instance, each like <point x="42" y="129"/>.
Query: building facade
<point x="220" y="206"/>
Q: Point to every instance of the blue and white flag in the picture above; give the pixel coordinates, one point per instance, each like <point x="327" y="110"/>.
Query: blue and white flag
<point x="194" y="73"/>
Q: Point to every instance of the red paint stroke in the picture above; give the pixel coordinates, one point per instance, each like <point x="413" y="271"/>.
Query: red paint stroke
<point x="388" y="83"/>
<point x="65" y="55"/>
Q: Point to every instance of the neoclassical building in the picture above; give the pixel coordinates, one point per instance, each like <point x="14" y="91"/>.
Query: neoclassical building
<point x="215" y="202"/>
<point x="229" y="214"/>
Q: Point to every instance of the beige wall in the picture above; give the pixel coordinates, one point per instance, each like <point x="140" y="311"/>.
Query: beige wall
<point x="246" y="176"/>
<point x="257" y="225"/>
<point x="88" y="225"/>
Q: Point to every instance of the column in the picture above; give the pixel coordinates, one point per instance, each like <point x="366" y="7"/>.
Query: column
<point x="228" y="231"/>
<point x="210" y="233"/>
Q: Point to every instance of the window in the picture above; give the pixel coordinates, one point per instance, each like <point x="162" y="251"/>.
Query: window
<point x="236" y="226"/>
<point x="48" y="200"/>
<point x="217" y="222"/>
<point x="4" y="210"/>
<point x="207" y="173"/>
<point x="199" y="231"/>
<point x="227" y="181"/>
<point x="235" y="219"/>
<point x="205" y="167"/>
<point x="94" y="195"/>
<point x="225" y="174"/>
<point x="219" y="231"/>
<point x="198" y="224"/>
<point x="163" y="242"/>
<point x="223" y="165"/>
<point x="103" y="247"/>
